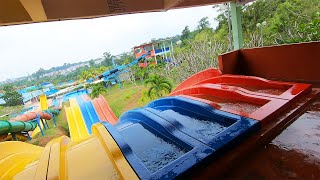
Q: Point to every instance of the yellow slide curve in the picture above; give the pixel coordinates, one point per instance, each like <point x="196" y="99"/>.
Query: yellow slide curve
<point x="77" y="126"/>
<point x="96" y="157"/>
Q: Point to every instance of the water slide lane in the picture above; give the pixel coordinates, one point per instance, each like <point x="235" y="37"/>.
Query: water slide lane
<point x="104" y="110"/>
<point x="196" y="78"/>
<point x="88" y="112"/>
<point x="251" y="97"/>
<point x="199" y="120"/>
<point x="43" y="102"/>
<point x="77" y="127"/>
<point x="155" y="148"/>
<point x="86" y="97"/>
<point x="99" y="110"/>
<point x="15" y="156"/>
<point x="97" y="157"/>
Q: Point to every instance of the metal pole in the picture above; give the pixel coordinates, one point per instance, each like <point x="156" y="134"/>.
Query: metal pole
<point x="162" y="51"/>
<point x="170" y="50"/>
<point x="236" y="25"/>
<point x="172" y="47"/>
<point x="164" y="47"/>
<point x="155" y="58"/>
<point x="229" y="27"/>
<point x="262" y="35"/>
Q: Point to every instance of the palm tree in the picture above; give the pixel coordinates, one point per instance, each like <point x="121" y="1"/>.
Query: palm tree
<point x="159" y="86"/>
<point x="85" y="75"/>
<point x="97" y="89"/>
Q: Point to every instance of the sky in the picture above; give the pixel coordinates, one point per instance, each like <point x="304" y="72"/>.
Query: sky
<point x="26" y="48"/>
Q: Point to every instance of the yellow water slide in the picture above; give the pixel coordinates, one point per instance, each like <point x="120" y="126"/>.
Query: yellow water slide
<point x="43" y="106"/>
<point x="84" y="156"/>
<point x="96" y="157"/>
<point x="15" y="156"/>
<point x="43" y="102"/>
<point x="77" y="126"/>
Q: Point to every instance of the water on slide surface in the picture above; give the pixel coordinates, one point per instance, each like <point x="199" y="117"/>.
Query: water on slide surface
<point x="239" y="106"/>
<point x="200" y="125"/>
<point x="272" y="91"/>
<point x="295" y="153"/>
<point x="153" y="151"/>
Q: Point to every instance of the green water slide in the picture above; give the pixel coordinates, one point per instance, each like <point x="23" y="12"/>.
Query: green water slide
<point x="16" y="126"/>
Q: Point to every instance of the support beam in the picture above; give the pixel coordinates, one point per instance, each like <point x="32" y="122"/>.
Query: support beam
<point x="168" y="4"/>
<point x="236" y="25"/>
<point x="35" y="10"/>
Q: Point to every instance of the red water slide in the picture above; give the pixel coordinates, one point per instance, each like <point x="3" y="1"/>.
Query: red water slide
<point x="248" y="96"/>
<point x="104" y="111"/>
<point x="32" y="115"/>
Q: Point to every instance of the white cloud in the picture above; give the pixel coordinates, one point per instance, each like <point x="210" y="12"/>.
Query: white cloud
<point x="26" y="48"/>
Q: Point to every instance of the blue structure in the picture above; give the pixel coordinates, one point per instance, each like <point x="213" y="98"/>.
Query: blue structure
<point x="169" y="136"/>
<point x="90" y="80"/>
<point x="112" y="76"/>
<point x="88" y="112"/>
<point x="51" y="91"/>
<point x="74" y="94"/>
<point x="1" y="100"/>
<point x="46" y="84"/>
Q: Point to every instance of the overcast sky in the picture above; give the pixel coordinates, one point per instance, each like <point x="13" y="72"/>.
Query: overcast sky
<point x="26" y="48"/>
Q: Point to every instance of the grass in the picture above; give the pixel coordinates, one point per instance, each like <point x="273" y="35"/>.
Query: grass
<point x="129" y="97"/>
<point x="9" y="110"/>
<point x="120" y="100"/>
<point x="61" y="129"/>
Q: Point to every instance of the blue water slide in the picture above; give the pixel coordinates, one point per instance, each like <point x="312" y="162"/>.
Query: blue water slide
<point x="74" y="94"/>
<point x="56" y="102"/>
<point x="88" y="112"/>
<point x="217" y="129"/>
<point x="123" y="67"/>
<point x="154" y="147"/>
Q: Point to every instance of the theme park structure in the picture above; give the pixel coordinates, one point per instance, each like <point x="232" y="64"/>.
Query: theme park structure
<point x="210" y="122"/>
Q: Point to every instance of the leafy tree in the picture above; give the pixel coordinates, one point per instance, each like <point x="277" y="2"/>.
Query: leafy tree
<point x="125" y="58"/>
<point x="203" y="23"/>
<point x="294" y="21"/>
<point x="11" y="96"/>
<point x="107" y="59"/>
<point x="92" y="63"/>
<point x="92" y="72"/>
<point x="85" y="75"/>
<point x="97" y="89"/>
<point x="159" y="86"/>
<point x="39" y="73"/>
<point x="185" y="33"/>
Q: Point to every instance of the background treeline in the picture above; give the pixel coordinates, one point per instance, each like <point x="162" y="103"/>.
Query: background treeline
<point x="264" y="23"/>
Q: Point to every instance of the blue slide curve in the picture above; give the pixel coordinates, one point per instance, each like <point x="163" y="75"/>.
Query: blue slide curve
<point x="89" y="114"/>
<point x="211" y="126"/>
<point x="173" y="134"/>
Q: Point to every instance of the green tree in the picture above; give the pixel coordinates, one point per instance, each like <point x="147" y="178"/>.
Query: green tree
<point x="92" y="63"/>
<point x="203" y="23"/>
<point x="85" y="75"/>
<point x="11" y="96"/>
<point x="159" y="86"/>
<point x="97" y="89"/>
<point x="39" y="73"/>
<point x="92" y="72"/>
<point x="295" y="21"/>
<point x="107" y="59"/>
<point x="185" y="33"/>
